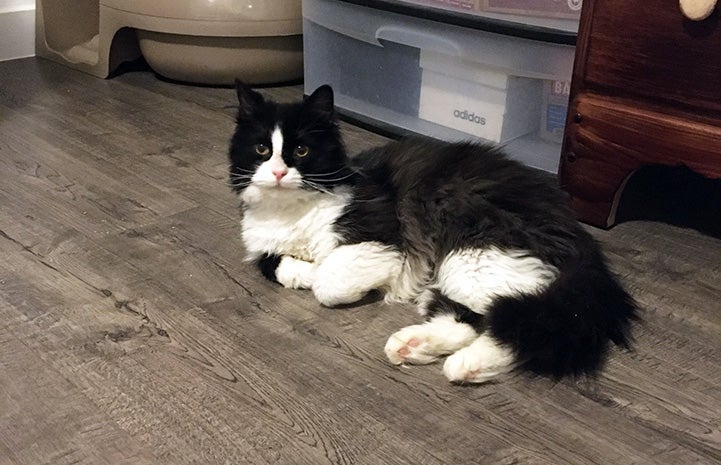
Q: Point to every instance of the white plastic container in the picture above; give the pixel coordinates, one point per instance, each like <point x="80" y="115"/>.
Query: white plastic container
<point x="561" y="15"/>
<point x="548" y="8"/>
<point x="379" y="62"/>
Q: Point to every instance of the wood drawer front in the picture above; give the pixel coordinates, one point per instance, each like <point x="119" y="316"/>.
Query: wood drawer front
<point x="647" y="50"/>
<point x="613" y="139"/>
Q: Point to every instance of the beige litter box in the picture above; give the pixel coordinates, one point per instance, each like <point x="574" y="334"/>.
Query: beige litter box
<point x="201" y="41"/>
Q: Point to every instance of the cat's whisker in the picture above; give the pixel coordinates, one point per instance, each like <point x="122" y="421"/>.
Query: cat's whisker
<point x="243" y="178"/>
<point x="330" y="180"/>
<point x="313" y="185"/>
<point x="355" y="170"/>
<point x="240" y="170"/>
<point x="352" y="169"/>
<point x="239" y="184"/>
<point x="312" y="131"/>
<point x="325" y="175"/>
<point x="378" y="199"/>
<point x="329" y="173"/>
<point x="318" y="187"/>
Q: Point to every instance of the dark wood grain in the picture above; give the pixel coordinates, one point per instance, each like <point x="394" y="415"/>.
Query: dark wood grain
<point x="645" y="91"/>
<point x="616" y="138"/>
<point x="655" y="54"/>
<point x="131" y="330"/>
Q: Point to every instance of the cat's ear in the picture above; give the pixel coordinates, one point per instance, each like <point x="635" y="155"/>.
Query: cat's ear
<point x="248" y="100"/>
<point x="320" y="102"/>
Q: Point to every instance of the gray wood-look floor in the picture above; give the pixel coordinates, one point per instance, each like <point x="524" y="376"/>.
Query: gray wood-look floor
<point x="131" y="331"/>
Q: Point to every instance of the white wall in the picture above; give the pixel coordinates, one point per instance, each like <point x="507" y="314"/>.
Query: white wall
<point x="17" y="4"/>
<point x="17" y="29"/>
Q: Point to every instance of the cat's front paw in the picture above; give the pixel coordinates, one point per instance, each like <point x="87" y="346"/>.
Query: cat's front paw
<point x="294" y="273"/>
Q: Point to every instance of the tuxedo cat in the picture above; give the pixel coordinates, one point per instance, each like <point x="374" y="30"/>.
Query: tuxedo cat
<point x="484" y="246"/>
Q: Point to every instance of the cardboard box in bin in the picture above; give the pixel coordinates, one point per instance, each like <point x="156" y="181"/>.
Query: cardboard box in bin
<point x="549" y="8"/>
<point x="472" y="98"/>
<point x="555" y="108"/>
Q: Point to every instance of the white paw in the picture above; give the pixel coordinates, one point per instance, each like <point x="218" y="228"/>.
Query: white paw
<point x="410" y="345"/>
<point x="422" y="344"/>
<point x="481" y="361"/>
<point x="294" y="273"/>
<point x="332" y="293"/>
<point x="351" y="271"/>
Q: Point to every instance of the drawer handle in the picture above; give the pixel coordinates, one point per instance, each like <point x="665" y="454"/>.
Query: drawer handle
<point x="418" y="39"/>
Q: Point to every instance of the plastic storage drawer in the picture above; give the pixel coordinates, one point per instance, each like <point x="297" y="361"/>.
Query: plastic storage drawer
<point x="450" y="82"/>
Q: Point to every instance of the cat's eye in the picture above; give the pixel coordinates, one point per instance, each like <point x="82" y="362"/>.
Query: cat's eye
<point x="262" y="149"/>
<point x="301" y="151"/>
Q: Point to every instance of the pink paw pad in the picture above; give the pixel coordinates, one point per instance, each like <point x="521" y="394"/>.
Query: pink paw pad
<point x="405" y="351"/>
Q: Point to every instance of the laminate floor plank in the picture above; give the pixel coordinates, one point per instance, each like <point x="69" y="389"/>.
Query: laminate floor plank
<point x="45" y="419"/>
<point x="194" y="343"/>
<point x="125" y="303"/>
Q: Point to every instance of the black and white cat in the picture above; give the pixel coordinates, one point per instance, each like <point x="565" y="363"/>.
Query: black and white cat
<point x="484" y="246"/>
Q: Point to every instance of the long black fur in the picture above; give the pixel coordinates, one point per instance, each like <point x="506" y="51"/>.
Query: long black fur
<point x="437" y="197"/>
<point x="267" y="265"/>
<point x="429" y="198"/>
<point x="443" y="305"/>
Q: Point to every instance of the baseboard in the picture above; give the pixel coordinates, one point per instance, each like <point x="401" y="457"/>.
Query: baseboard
<point x="17" y="32"/>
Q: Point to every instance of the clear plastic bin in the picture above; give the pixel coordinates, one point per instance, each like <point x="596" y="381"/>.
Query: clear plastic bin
<point x="558" y="14"/>
<point x="373" y="59"/>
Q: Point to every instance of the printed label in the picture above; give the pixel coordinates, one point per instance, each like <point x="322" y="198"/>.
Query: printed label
<point x="556" y="118"/>
<point x="472" y="117"/>
<point x="561" y="88"/>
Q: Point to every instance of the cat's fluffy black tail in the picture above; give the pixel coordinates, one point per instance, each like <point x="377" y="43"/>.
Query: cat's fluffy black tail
<point x="566" y="329"/>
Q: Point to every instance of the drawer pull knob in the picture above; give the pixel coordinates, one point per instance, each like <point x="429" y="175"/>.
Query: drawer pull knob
<point x="697" y="10"/>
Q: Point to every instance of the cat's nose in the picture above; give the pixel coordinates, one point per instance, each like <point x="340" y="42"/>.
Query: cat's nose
<point x="279" y="174"/>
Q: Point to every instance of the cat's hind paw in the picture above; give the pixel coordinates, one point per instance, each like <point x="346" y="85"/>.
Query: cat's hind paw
<point x="479" y="362"/>
<point x="425" y="343"/>
<point x="403" y="349"/>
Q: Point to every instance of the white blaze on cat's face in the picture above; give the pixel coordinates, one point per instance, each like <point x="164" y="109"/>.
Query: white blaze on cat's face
<point x="274" y="172"/>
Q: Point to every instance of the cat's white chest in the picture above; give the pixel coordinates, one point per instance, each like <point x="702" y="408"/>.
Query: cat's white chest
<point x="290" y="222"/>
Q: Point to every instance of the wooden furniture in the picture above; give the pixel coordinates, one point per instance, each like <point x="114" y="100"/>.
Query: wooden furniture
<point x="646" y="90"/>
